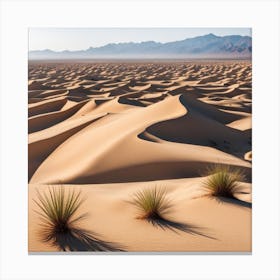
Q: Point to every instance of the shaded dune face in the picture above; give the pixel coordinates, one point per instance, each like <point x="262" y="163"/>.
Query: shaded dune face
<point x="126" y="122"/>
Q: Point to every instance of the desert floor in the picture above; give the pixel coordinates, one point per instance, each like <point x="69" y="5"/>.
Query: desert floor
<point x="112" y="129"/>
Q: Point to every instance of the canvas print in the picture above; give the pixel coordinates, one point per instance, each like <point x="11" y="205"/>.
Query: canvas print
<point x="139" y="140"/>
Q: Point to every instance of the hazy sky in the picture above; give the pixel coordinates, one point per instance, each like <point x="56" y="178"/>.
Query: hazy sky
<point x="82" y="38"/>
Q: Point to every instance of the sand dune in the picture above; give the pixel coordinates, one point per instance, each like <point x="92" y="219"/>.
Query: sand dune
<point x="46" y="107"/>
<point x="110" y="129"/>
<point x="41" y="144"/>
<point x="45" y="120"/>
<point x="167" y="160"/>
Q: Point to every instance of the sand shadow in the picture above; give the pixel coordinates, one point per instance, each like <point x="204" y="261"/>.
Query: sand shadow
<point x="159" y="221"/>
<point x="77" y="239"/>
<point x="234" y="201"/>
<point x="174" y="226"/>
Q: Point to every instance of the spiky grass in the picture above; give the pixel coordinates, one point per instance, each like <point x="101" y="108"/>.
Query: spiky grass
<point x="223" y="181"/>
<point x="58" y="209"/>
<point x="151" y="203"/>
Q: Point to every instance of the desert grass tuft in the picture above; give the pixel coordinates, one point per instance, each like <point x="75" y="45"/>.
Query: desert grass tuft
<point x="151" y="203"/>
<point x="58" y="211"/>
<point x="223" y="181"/>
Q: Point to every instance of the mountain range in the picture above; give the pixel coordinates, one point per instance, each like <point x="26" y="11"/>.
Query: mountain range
<point x="206" y="46"/>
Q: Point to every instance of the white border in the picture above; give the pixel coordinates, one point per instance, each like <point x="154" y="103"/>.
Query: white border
<point x="262" y="16"/>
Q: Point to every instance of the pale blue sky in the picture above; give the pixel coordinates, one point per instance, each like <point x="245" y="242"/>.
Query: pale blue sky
<point x="82" y="38"/>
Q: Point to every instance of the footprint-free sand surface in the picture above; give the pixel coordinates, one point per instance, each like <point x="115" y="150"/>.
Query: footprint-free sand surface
<point x="110" y="129"/>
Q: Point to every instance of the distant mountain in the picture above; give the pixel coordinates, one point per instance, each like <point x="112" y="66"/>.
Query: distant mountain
<point x="207" y="46"/>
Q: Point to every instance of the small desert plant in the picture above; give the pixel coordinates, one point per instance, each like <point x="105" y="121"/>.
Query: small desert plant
<point x="151" y="203"/>
<point x="58" y="210"/>
<point x="223" y="180"/>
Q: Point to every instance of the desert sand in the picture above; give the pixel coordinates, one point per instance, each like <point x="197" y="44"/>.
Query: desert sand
<point x="110" y="129"/>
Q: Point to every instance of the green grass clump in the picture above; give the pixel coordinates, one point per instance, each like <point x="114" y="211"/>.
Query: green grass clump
<point x="58" y="209"/>
<point x="223" y="181"/>
<point x="151" y="203"/>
